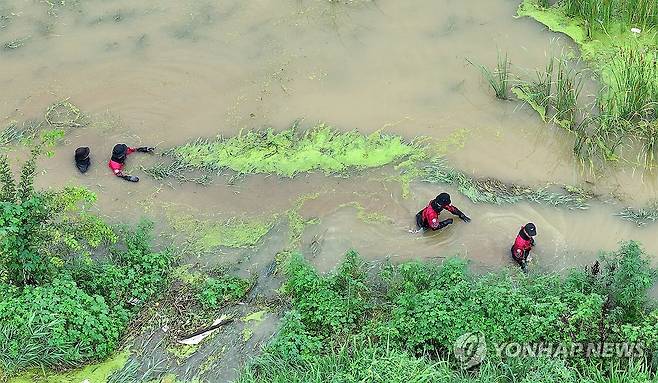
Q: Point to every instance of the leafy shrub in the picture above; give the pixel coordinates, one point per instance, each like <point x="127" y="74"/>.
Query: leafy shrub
<point x="59" y="305"/>
<point x="61" y="324"/>
<point x="294" y="342"/>
<point x="216" y="291"/>
<point x="339" y="330"/>
<point x="332" y="304"/>
<point x="134" y="273"/>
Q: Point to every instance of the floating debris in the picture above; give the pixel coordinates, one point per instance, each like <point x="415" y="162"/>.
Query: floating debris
<point x="15" y="44"/>
<point x="64" y="114"/>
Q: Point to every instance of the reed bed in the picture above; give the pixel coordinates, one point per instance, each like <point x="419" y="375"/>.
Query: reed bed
<point x="602" y="13"/>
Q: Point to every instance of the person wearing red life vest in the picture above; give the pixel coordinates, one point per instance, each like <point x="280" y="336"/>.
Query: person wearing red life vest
<point x="523" y="244"/>
<point x="118" y="160"/>
<point x="428" y="218"/>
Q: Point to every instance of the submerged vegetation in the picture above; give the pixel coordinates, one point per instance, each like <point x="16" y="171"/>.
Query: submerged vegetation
<point x="289" y="152"/>
<point x="642" y="216"/>
<point x="618" y="39"/>
<point x="494" y="191"/>
<point x="402" y="323"/>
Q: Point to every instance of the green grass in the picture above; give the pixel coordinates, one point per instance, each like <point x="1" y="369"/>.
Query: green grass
<point x="498" y="79"/>
<point x="290" y="152"/>
<point x="625" y="62"/>
<point x="568" y="86"/>
<point x="600" y="14"/>
<point x="494" y="191"/>
<point x="537" y="93"/>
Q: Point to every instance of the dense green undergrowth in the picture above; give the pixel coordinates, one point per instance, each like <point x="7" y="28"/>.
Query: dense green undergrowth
<point x="69" y="282"/>
<point x="287" y="153"/>
<point x="401" y="324"/>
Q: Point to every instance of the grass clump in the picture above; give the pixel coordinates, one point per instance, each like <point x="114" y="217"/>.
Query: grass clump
<point x="401" y="323"/>
<point x="498" y="79"/>
<point x="642" y="216"/>
<point x="618" y="39"/>
<point x="494" y="191"/>
<point x="291" y="152"/>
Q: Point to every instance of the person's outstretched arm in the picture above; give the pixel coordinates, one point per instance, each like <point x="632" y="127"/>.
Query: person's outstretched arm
<point x="454" y="210"/>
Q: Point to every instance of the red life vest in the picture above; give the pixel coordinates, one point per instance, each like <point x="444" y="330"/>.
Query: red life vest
<point x="431" y="217"/>
<point x="521" y="245"/>
<point x="117" y="167"/>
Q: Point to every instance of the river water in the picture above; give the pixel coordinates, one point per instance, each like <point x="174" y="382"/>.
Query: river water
<point x="167" y="72"/>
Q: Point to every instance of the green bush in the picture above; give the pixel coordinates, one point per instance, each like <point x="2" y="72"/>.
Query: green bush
<point x="351" y="327"/>
<point x="60" y="321"/>
<point x="63" y="299"/>
<point x="334" y="304"/>
<point x="134" y="272"/>
<point x="214" y="292"/>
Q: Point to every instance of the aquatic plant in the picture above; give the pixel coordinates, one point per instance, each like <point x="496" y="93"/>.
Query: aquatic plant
<point x="205" y="234"/>
<point x="499" y="78"/>
<point x="569" y="84"/>
<point x="602" y="13"/>
<point x="65" y="114"/>
<point x="493" y="191"/>
<point x="290" y="152"/>
<point x="632" y="93"/>
<point x="537" y="93"/>
<point x="15" y="44"/>
<point x="642" y="216"/>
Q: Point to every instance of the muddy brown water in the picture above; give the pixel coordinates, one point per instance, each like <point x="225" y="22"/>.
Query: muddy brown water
<point x="166" y="72"/>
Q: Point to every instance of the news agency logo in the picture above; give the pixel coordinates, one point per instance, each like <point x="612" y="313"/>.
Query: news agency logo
<point x="470" y="350"/>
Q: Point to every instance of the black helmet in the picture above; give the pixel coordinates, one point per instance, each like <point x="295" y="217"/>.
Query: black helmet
<point x="119" y="152"/>
<point x="530" y="229"/>
<point x="443" y="199"/>
<point x="82" y="161"/>
<point x="81" y="153"/>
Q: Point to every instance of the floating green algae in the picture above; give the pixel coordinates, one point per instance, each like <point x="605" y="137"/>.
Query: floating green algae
<point x="292" y="151"/>
<point x="493" y="191"/>
<point x="235" y="232"/>
<point x="368" y="216"/>
<point x="97" y="373"/>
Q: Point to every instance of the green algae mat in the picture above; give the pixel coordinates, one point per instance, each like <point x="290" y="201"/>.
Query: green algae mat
<point x="287" y="153"/>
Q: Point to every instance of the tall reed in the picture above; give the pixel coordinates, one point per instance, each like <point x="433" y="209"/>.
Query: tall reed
<point x="568" y="86"/>
<point x="499" y="78"/>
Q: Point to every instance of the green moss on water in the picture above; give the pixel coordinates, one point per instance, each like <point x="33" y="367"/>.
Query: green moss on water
<point x="290" y="152"/>
<point x="368" y="216"/>
<point x="206" y="234"/>
<point x="97" y="373"/>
